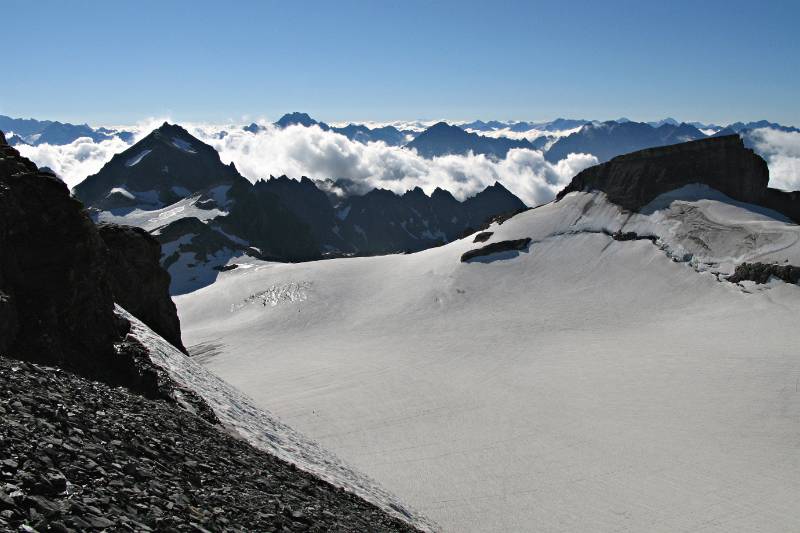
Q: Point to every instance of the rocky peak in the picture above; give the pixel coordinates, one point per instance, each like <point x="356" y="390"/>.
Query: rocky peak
<point x="297" y="118"/>
<point x="152" y="172"/>
<point x="416" y="192"/>
<point x="440" y="194"/>
<point x="722" y="163"/>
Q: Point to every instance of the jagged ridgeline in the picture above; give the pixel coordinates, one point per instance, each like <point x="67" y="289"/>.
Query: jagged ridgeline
<point x="204" y="212"/>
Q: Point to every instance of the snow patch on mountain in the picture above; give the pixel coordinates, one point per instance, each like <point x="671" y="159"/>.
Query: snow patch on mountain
<point x="184" y="145"/>
<point x="122" y="191"/>
<point x="133" y="161"/>
<point x="150" y="219"/>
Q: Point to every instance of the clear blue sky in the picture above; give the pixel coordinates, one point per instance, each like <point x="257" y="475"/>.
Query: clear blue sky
<point x="117" y="62"/>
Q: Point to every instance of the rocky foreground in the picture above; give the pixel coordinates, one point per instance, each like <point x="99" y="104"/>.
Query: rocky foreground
<point x="79" y="455"/>
<point x="93" y="434"/>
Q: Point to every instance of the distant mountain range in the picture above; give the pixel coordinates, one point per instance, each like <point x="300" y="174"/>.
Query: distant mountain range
<point x="444" y="139"/>
<point x="36" y="132"/>
<point x="204" y="212"/>
<point x="606" y="140"/>
<point x="355" y="132"/>
<point x="557" y="138"/>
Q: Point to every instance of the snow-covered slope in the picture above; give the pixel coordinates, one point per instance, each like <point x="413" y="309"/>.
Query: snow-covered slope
<point x="582" y="384"/>
<point x="260" y="428"/>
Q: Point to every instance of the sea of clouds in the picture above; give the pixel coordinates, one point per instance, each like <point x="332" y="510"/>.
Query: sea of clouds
<point x="781" y="149"/>
<point x="298" y="151"/>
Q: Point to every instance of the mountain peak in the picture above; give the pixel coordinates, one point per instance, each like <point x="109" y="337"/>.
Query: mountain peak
<point x="301" y="119"/>
<point x="721" y="163"/>
<point x="416" y="191"/>
<point x="149" y="173"/>
<point x="443" y="126"/>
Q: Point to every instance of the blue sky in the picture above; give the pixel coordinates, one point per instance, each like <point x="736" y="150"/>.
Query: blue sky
<point x="118" y="62"/>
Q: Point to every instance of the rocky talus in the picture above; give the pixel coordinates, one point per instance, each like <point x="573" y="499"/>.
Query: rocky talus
<point x="78" y="455"/>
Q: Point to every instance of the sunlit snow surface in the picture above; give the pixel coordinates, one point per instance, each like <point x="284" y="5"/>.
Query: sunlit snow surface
<point x="240" y="416"/>
<point x="585" y="384"/>
<point x="151" y="219"/>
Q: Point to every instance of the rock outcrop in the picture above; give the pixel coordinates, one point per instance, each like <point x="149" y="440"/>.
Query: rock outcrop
<point x="762" y="272"/>
<point x="483" y="236"/>
<point x="53" y="270"/>
<point x="722" y="163"/>
<point x="515" y="245"/>
<point x="138" y="283"/>
<point x="56" y="284"/>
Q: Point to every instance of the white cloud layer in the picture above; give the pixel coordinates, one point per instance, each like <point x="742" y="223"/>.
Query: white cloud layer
<point x="73" y="162"/>
<point x="83" y="157"/>
<point x="781" y="149"/>
<point x="297" y="151"/>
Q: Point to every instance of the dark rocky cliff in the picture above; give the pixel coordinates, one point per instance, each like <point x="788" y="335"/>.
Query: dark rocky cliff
<point x="57" y="279"/>
<point x="723" y="163"/>
<point x="53" y="269"/>
<point x="138" y="282"/>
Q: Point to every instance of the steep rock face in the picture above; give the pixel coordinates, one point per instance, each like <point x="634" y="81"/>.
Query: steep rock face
<point x="723" y="163"/>
<point x="56" y="300"/>
<point x="52" y="269"/>
<point x="308" y="203"/>
<point x="138" y="282"/>
<point x="260" y="217"/>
